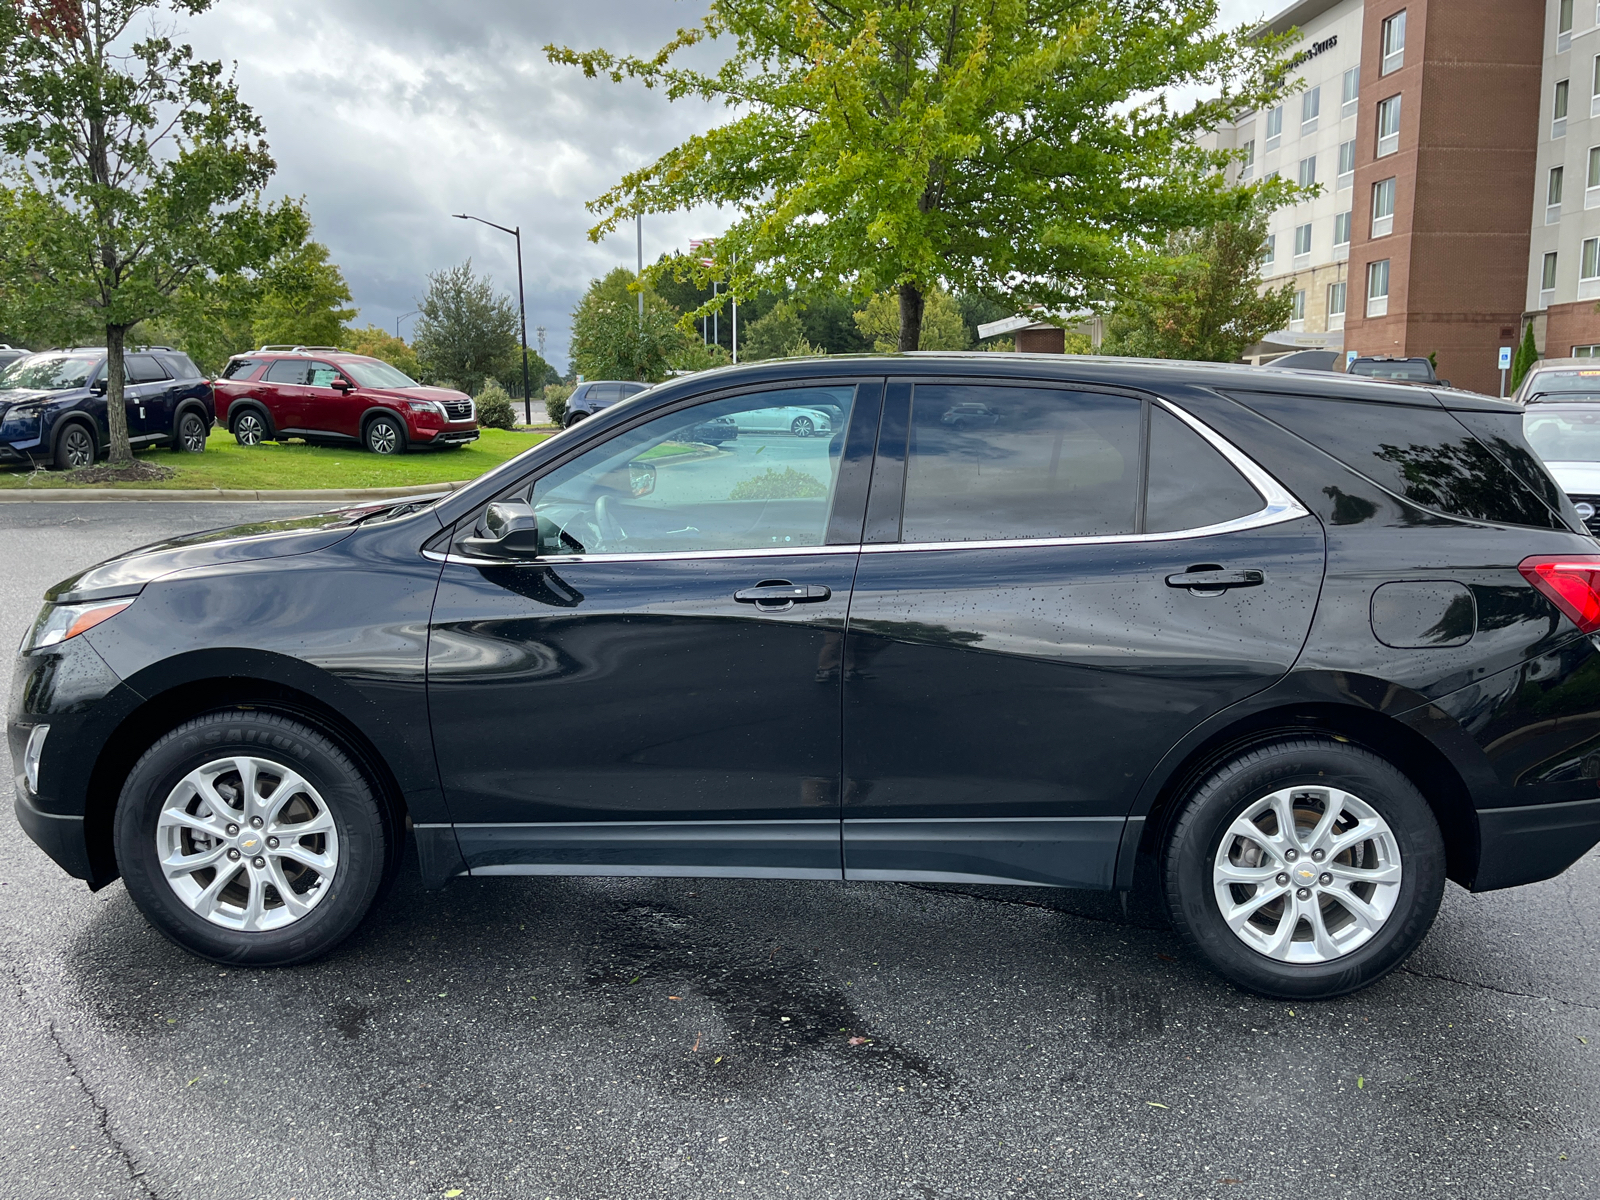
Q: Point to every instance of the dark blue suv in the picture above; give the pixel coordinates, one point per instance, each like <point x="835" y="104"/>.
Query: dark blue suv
<point x="53" y="405"/>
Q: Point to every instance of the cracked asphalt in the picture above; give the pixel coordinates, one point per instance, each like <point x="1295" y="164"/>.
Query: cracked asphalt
<point x="586" y="1039"/>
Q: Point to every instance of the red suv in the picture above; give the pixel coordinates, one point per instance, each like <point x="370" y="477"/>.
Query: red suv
<point x="327" y="395"/>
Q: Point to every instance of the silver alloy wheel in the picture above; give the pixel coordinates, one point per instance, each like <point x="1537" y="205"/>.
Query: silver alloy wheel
<point x="1307" y="874"/>
<point x="247" y="844"/>
<point x="382" y="437"/>
<point x="248" y="430"/>
<point x="77" y="446"/>
<point x="802" y="427"/>
<point x="192" y="433"/>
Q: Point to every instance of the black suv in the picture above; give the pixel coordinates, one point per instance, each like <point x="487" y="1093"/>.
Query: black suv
<point x="589" y="398"/>
<point x="53" y="405"/>
<point x="1401" y="370"/>
<point x="1298" y="648"/>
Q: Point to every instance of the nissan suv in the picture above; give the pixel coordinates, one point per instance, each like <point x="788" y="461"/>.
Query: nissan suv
<point x="53" y="405"/>
<point x="327" y="396"/>
<point x="1296" y="648"/>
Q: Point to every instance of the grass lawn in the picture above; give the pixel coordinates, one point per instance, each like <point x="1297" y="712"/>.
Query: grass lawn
<point x="226" y="464"/>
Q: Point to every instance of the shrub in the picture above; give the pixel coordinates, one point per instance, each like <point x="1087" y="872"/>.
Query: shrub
<point x="494" y="407"/>
<point x="787" y="484"/>
<point x="555" y="401"/>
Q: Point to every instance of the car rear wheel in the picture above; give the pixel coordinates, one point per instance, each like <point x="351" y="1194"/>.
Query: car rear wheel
<point x="250" y="838"/>
<point x="385" y="436"/>
<point x="573" y="419"/>
<point x="249" y="429"/>
<point x="192" y="430"/>
<point x="802" y="427"/>
<point x="1305" y="868"/>
<point x="75" y="447"/>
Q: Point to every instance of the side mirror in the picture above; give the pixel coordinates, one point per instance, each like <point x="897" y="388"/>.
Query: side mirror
<point x="98" y="387"/>
<point x="513" y="532"/>
<point x="1444" y="383"/>
<point x="641" y="478"/>
<point x="341" y="384"/>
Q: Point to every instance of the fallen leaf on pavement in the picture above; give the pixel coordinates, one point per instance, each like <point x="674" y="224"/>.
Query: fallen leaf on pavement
<point x="696" y="1045"/>
<point x="1155" y="1104"/>
<point x="858" y="1041"/>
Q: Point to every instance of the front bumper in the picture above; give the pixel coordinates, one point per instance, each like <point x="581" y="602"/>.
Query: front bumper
<point x="446" y="437"/>
<point x="61" y="837"/>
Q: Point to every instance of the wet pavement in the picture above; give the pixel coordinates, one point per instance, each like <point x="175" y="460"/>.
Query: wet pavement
<point x="583" y="1039"/>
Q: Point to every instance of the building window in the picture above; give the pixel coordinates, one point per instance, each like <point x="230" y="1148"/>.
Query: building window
<point x="1336" y="294"/>
<point x="1590" y="267"/>
<point x="1378" y="288"/>
<point x="1591" y="186"/>
<point x="1586" y="352"/>
<point x="1308" y="171"/>
<point x="1274" y="128"/>
<point x="1383" y="208"/>
<point x="1347" y="164"/>
<point x="1269" y="250"/>
<point x="1547" y="280"/>
<point x="1594" y="86"/>
<point x="1558" y="123"/>
<point x="1388" y="126"/>
<point x="1394" y="43"/>
<point x="1350" y="94"/>
<point x="1552" y="196"/>
<point x="1310" y="109"/>
<point x="1297" y="310"/>
<point x="1302" y="241"/>
<point x="1247" y="164"/>
<point x="1564" y="26"/>
<point x="1341" y="229"/>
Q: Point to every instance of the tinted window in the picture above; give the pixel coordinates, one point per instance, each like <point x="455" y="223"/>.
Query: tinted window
<point x="1423" y="454"/>
<point x="179" y="366"/>
<point x="997" y="463"/>
<point x="240" y="367"/>
<point x="727" y="475"/>
<point x="604" y="393"/>
<point x="288" y="370"/>
<point x="1191" y="484"/>
<point x="143" y="368"/>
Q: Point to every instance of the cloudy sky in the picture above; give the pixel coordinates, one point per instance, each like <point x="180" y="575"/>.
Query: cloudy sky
<point x="390" y="115"/>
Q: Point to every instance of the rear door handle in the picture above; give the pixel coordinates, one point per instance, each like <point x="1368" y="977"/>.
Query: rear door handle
<point x="783" y="592"/>
<point x="1216" y="581"/>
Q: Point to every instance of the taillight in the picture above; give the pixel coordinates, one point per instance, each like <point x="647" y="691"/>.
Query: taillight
<point x="1572" y="583"/>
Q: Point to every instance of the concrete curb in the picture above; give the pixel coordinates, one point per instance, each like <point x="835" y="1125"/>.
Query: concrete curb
<point x="234" y="495"/>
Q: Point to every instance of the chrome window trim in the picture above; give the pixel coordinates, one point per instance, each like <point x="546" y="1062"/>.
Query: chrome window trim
<point x="1280" y="506"/>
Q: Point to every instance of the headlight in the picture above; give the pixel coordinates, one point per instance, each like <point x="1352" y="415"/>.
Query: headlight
<point x="58" y="622"/>
<point x="425" y="406"/>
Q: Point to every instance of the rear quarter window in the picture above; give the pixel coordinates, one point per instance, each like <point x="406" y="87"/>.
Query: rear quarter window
<point x="241" y="368"/>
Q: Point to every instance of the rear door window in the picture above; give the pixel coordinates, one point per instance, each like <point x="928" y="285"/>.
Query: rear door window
<point x="289" y="371"/>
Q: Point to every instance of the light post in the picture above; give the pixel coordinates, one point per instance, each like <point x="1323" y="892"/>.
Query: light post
<point x="522" y="309"/>
<point x="402" y="317"/>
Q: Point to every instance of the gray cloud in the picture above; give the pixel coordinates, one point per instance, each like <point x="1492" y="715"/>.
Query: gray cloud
<point x="389" y="115"/>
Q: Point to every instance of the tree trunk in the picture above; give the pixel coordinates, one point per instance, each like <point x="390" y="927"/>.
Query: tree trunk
<point x="116" y="409"/>
<point x="911" y="302"/>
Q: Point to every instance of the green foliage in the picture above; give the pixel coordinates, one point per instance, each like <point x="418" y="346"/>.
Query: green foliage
<point x="1020" y="150"/>
<point x="494" y="407"/>
<point x="555" y="401"/>
<point x="466" y="332"/>
<point x="609" y="340"/>
<point x="779" y="334"/>
<point x="772" y="484"/>
<point x="1527" y="354"/>
<point x="140" y="168"/>
<point x="302" y="300"/>
<point x="942" y="326"/>
<point x="539" y="373"/>
<point x="380" y="343"/>
<point x="1203" y="300"/>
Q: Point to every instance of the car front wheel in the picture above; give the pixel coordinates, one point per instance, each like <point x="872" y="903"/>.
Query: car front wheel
<point x="802" y="427"/>
<point x="385" y="436"/>
<point x="1305" y="868"/>
<point x="74" y="447"/>
<point x="250" y="838"/>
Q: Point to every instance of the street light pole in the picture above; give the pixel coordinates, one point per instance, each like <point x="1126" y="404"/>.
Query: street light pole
<point x="522" y="309"/>
<point x="402" y="317"/>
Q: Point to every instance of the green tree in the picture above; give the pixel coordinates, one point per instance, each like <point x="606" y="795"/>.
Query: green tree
<point x="466" y="331"/>
<point x="303" y="300"/>
<point x="141" y="166"/>
<point x="376" y="342"/>
<point x="779" y="334"/>
<point x="1527" y="355"/>
<point x="609" y="340"/>
<point x="1020" y="148"/>
<point x="942" y="326"/>
<point x="1204" y="301"/>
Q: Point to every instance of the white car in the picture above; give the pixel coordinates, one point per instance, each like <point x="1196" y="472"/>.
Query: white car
<point x="1560" y="378"/>
<point x="1566" y="435"/>
<point x="802" y="422"/>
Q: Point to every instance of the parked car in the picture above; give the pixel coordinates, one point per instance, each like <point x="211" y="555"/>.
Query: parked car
<point x="1560" y="378"/>
<point x="594" y="395"/>
<point x="802" y="422"/>
<point x="53" y="405"/>
<point x="331" y="397"/>
<point x="1401" y="370"/>
<point x="10" y="354"/>
<point x="715" y="432"/>
<point x="1299" y="647"/>
<point x="1566" y="436"/>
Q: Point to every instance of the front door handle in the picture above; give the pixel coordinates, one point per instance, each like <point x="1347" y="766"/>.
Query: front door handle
<point x="1216" y="580"/>
<point x="776" y="592"/>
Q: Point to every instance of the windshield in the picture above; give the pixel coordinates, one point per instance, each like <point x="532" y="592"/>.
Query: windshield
<point x="49" y="372"/>
<point x="1560" y="383"/>
<point x="379" y="375"/>
<point x="1394" y="370"/>
<point x="1564" y="436"/>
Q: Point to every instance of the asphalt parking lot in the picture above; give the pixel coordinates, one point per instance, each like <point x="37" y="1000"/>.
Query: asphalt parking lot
<point x="590" y="1039"/>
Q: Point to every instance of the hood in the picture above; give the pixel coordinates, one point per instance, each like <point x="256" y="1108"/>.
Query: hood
<point x="1576" y="478"/>
<point x="127" y="574"/>
<point x="12" y="396"/>
<point x="443" y="395"/>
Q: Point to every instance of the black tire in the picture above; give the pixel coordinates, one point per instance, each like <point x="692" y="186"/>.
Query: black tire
<point x="802" y="427"/>
<point x="359" y="868"/>
<point x="1313" y="762"/>
<point x="249" y="428"/>
<point x="75" y="446"/>
<point x="191" y="434"/>
<point x="573" y="419"/>
<point x="385" y="435"/>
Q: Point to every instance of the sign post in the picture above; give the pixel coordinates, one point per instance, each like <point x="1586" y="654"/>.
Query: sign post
<point x="1505" y="365"/>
